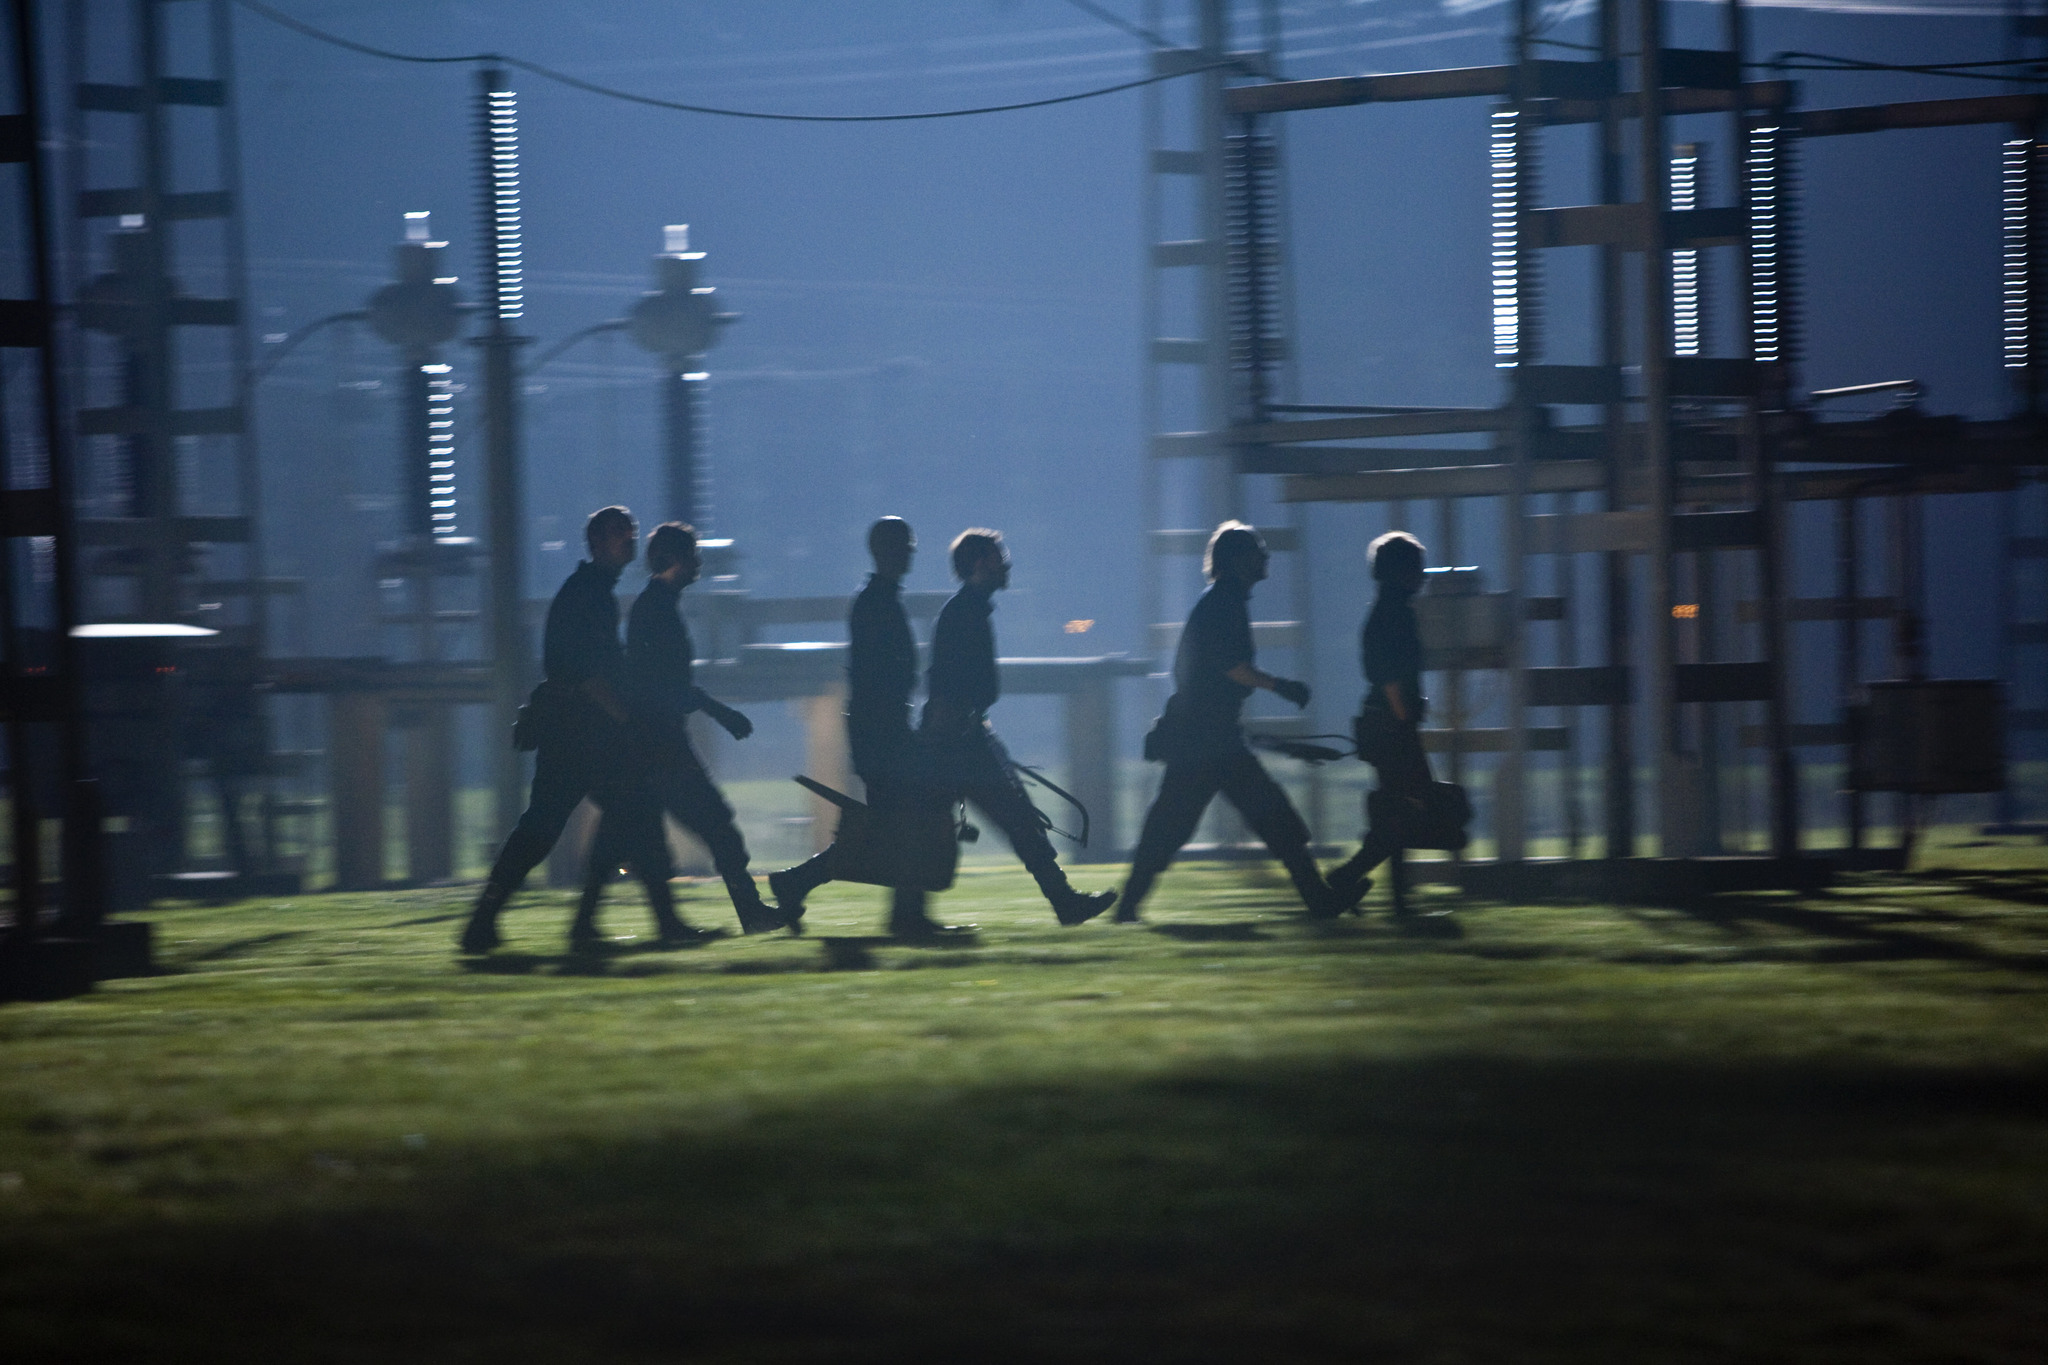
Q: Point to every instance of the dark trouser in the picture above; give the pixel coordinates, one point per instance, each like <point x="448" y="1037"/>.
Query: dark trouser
<point x="587" y="762"/>
<point x="1185" y="791"/>
<point x="629" y="832"/>
<point x="633" y="832"/>
<point x="1403" y="772"/>
<point x="972" y="766"/>
<point x="884" y="754"/>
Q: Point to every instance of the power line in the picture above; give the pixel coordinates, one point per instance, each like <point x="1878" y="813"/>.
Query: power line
<point x="1822" y="61"/>
<point x="610" y="92"/>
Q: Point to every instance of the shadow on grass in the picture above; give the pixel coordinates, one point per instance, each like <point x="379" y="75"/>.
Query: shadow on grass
<point x="451" y="917"/>
<point x="2022" y="888"/>
<point x="1454" y="1208"/>
<point x="1860" y="936"/>
<point x="1242" y="931"/>
<point x="240" y="947"/>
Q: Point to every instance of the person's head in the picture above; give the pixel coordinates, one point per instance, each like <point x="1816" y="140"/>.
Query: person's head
<point x="1396" y="560"/>
<point x="980" y="558"/>
<point x="610" y="534"/>
<point x="1236" y="552"/>
<point x="673" y="546"/>
<point x="891" y="543"/>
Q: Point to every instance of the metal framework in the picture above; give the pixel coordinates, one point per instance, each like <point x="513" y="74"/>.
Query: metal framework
<point x="1657" y="471"/>
<point x="40" y="691"/>
<point x="171" y="527"/>
<point x="1219" y="315"/>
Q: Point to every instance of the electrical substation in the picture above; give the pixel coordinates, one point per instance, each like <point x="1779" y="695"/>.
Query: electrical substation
<point x="1643" y="696"/>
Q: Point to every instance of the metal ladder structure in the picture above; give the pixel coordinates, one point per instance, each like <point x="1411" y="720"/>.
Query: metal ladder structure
<point x="41" y="693"/>
<point x="1219" y="325"/>
<point x="166" y="373"/>
<point x="2023" y="513"/>
<point x="168" y="498"/>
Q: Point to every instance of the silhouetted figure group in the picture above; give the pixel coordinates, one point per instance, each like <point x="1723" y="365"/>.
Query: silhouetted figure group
<point x="610" y="723"/>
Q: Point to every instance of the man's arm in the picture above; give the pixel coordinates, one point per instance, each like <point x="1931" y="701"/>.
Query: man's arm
<point x="734" y="723"/>
<point x="1247" y="674"/>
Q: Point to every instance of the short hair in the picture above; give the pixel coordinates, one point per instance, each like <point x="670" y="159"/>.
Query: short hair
<point x="669" y="544"/>
<point x="1395" y="555"/>
<point x="1229" y="543"/>
<point x="971" y="545"/>
<point x="890" y="533"/>
<point x="606" y="521"/>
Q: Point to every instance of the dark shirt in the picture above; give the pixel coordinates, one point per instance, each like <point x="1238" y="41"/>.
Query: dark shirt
<point x="581" y="640"/>
<point x="1391" y="650"/>
<point x="881" y="658"/>
<point x="962" y="679"/>
<point x="1218" y="638"/>
<point x="659" y="656"/>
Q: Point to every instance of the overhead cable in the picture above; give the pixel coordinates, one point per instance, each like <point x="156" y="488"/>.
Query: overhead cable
<point x="257" y="7"/>
<point x="1980" y="71"/>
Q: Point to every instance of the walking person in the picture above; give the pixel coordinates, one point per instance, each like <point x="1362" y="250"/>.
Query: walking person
<point x="881" y="675"/>
<point x="1201" y="738"/>
<point x="662" y="693"/>
<point x="579" y="713"/>
<point x="1390" y="649"/>
<point x="967" y="760"/>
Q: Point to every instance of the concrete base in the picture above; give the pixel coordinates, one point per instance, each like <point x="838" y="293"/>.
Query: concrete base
<point x="1639" y="881"/>
<point x="123" y="949"/>
<point x="219" y="887"/>
<point x="47" y="969"/>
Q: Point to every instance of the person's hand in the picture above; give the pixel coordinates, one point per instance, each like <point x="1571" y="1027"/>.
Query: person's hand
<point x="1291" y="690"/>
<point x="735" y="723"/>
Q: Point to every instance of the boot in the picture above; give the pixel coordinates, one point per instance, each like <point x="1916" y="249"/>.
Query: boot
<point x="1071" y="907"/>
<point x="480" y="934"/>
<point x="792" y="884"/>
<point x="908" y="920"/>
<point x="1316" y="894"/>
<point x="1078" y="907"/>
<point x="584" y="935"/>
<point x="670" y="929"/>
<point x="1350" y="882"/>
<point x="1136" y="887"/>
<point x="756" y="915"/>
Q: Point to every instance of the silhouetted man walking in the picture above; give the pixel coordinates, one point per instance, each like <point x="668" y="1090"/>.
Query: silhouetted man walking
<point x="1390" y="649"/>
<point x="881" y="674"/>
<point x="662" y="693"/>
<point x="579" y="713"/>
<point x="1201" y="739"/>
<point x="967" y="759"/>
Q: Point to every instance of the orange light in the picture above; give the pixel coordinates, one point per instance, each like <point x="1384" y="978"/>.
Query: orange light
<point x="1686" y="611"/>
<point x="1079" y="627"/>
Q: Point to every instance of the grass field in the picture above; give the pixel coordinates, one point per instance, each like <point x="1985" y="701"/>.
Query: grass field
<point x="1782" y="1129"/>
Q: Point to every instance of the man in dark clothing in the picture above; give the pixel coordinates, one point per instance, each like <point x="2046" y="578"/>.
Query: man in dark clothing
<point x="581" y="715"/>
<point x="967" y="759"/>
<point x="661" y="694"/>
<point x="1200" y="736"/>
<point x="1390" y="649"/>
<point x="881" y="674"/>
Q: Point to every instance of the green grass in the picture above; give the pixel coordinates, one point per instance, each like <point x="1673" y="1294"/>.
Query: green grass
<point x="1783" y="1129"/>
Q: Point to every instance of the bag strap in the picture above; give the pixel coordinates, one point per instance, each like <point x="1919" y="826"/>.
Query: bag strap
<point x="1042" y="780"/>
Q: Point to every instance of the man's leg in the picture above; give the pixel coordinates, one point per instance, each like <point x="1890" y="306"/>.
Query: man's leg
<point x="598" y="871"/>
<point x="1264" y="805"/>
<point x="698" y="805"/>
<point x="987" y="782"/>
<point x="1405" y="774"/>
<point x="560" y="779"/>
<point x="1185" y="790"/>
<point x="630" y="833"/>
